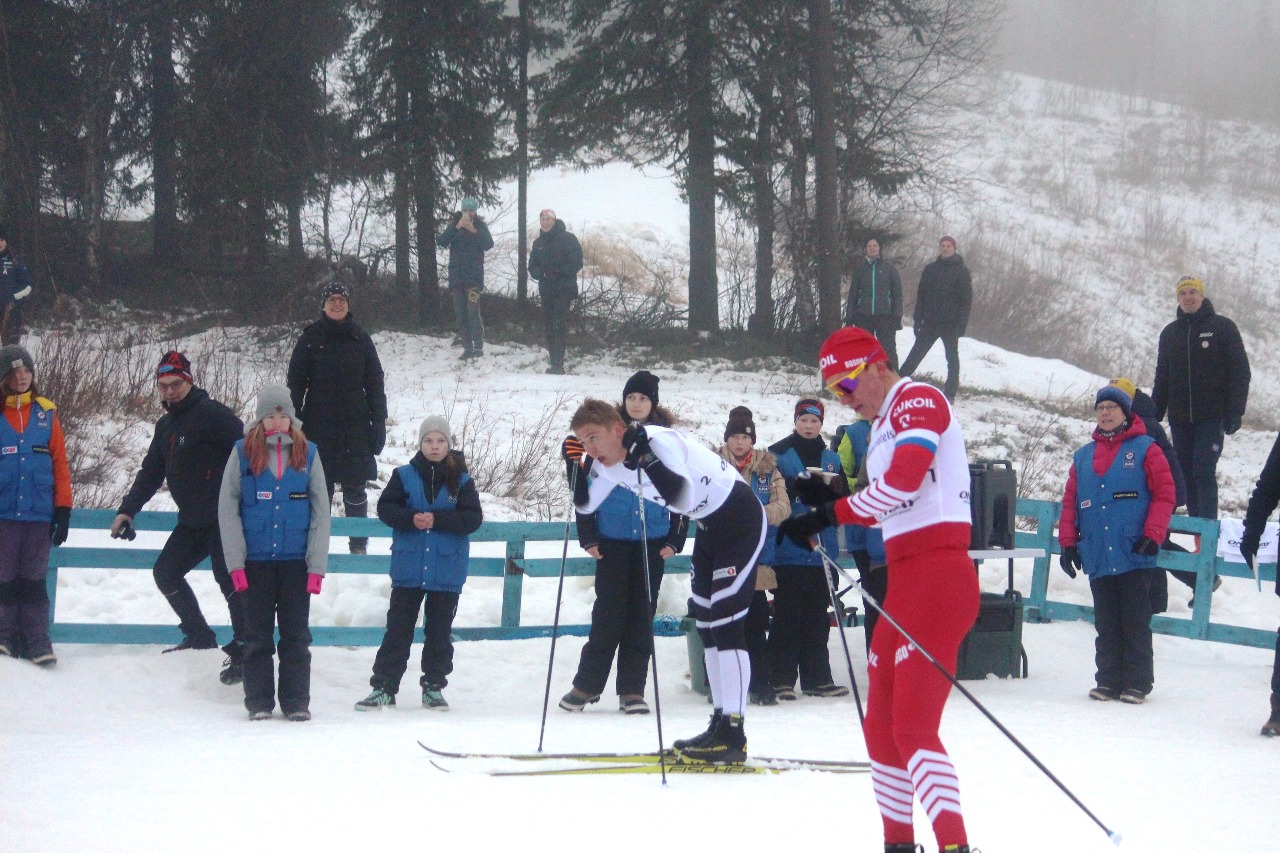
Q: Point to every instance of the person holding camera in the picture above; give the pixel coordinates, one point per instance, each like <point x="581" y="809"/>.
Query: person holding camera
<point x="467" y="238"/>
<point x="192" y="441"/>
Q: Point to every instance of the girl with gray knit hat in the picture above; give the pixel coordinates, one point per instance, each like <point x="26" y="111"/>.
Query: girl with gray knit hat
<point x="273" y="513"/>
<point x="432" y="507"/>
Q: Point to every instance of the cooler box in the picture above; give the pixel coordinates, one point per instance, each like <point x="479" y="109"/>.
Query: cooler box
<point x="994" y="644"/>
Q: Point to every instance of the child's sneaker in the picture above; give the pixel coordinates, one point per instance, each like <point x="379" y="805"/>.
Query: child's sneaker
<point x="1133" y="697"/>
<point x="379" y="698"/>
<point x="576" y="700"/>
<point x="828" y="691"/>
<point x="432" y="698"/>
<point x="784" y="694"/>
<point x="255" y="716"/>
<point x="45" y="659"/>
<point x="633" y="704"/>
<point x="1102" y="694"/>
<point x="300" y="715"/>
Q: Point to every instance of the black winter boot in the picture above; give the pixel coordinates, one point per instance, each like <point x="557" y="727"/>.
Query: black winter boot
<point x="1272" y="727"/>
<point x="699" y="740"/>
<point x="727" y="744"/>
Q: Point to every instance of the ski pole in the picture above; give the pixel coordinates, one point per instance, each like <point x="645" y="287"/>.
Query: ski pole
<point x="649" y="607"/>
<point x="844" y="642"/>
<point x="555" y="623"/>
<point x="1114" y="836"/>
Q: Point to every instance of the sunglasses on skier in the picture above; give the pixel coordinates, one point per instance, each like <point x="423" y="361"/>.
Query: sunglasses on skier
<point x="846" y="384"/>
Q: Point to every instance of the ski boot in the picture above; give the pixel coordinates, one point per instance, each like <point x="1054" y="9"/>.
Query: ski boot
<point x="699" y="739"/>
<point x="727" y="744"/>
<point x="904" y="847"/>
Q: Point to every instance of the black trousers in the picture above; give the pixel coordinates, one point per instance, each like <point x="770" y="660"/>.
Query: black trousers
<point x="621" y="618"/>
<point x="355" y="502"/>
<point x="184" y="549"/>
<point x="1198" y="446"/>
<point x="277" y="596"/>
<point x="756" y="627"/>
<point x="723" y="581"/>
<point x="925" y="339"/>
<point x="1122" y="616"/>
<point x="555" y="314"/>
<point x="876" y="582"/>
<point x="801" y="627"/>
<point x="438" y="610"/>
<point x="885" y="328"/>
<point x="1275" y="667"/>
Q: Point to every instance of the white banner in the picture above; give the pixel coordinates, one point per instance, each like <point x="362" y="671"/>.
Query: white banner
<point x="1230" y="531"/>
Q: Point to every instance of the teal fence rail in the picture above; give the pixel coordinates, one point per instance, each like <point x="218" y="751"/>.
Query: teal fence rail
<point x="1205" y="564"/>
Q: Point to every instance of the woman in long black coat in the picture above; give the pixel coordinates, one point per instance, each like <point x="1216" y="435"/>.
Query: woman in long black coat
<point x="335" y="380"/>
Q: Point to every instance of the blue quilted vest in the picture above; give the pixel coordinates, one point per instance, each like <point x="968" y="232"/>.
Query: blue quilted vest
<point x="618" y="517"/>
<point x="1111" y="509"/>
<point x="429" y="559"/>
<point x="787" y="552"/>
<point x="26" y="467"/>
<point x="276" y="513"/>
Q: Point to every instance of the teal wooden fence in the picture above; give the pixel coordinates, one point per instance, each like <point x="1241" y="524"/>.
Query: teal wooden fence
<point x="515" y="566"/>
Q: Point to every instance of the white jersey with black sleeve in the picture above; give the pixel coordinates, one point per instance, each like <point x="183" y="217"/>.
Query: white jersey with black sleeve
<point x="707" y="477"/>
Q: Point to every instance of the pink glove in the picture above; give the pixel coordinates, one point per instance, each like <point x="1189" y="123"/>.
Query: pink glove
<point x="239" y="580"/>
<point x="314" y="582"/>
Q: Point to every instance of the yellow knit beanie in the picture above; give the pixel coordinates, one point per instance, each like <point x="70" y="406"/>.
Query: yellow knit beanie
<point x="1125" y="385"/>
<point x="1189" y="281"/>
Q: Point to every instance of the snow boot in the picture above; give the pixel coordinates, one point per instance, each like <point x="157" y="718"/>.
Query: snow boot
<point x="1272" y="727"/>
<point x="189" y="643"/>
<point x="298" y="715"/>
<point x="45" y="660"/>
<point x="255" y="716"/>
<point x="576" y="700"/>
<point x="1132" y="696"/>
<point x="5" y="651"/>
<point x="762" y="697"/>
<point x="433" y="699"/>
<point x="233" y="665"/>
<point x="1102" y="694"/>
<point x="827" y="691"/>
<point x="633" y="703"/>
<point x="700" y="739"/>
<point x="727" y="744"/>
<point x="379" y="698"/>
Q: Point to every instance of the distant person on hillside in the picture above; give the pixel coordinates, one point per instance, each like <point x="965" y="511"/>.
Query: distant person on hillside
<point x="467" y="239"/>
<point x="1202" y="384"/>
<point x="336" y="382"/>
<point x="615" y="535"/>
<point x="554" y="262"/>
<point x="1266" y="494"/>
<point x="273" y="511"/>
<point x="1115" y="513"/>
<point x="875" y="299"/>
<point x="192" y="441"/>
<point x="15" y="287"/>
<point x="943" y="300"/>
<point x="35" y="507"/>
<point x="432" y="507"/>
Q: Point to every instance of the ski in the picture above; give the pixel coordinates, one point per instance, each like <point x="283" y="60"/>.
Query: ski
<point x="593" y="768"/>
<point x="650" y="759"/>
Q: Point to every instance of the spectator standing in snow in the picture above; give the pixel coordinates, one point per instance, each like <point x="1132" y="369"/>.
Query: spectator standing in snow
<point x="1115" y="513"/>
<point x="622" y="616"/>
<point x="943" y="300"/>
<point x="336" y="382"/>
<point x="554" y="262"/>
<point x="35" y="507"/>
<point x="467" y="238"/>
<point x="273" y="510"/>
<point x="866" y="544"/>
<point x="15" y="287"/>
<point x="1266" y="494"/>
<point x="1202" y="385"/>
<point x="759" y="468"/>
<point x="875" y="299"/>
<point x="918" y="492"/>
<point x="665" y="466"/>
<point x="801" y="626"/>
<point x="192" y="441"/>
<point x="432" y="507"/>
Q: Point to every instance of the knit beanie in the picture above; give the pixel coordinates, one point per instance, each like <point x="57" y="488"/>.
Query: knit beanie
<point x="847" y="351"/>
<point x="947" y="238"/>
<point x="13" y="356"/>
<point x="810" y="406"/>
<point x="1125" y="385"/>
<point x="174" y="363"/>
<point x="740" y="423"/>
<point x="642" y="382"/>
<point x="1115" y="395"/>
<point x="336" y="288"/>
<point x="1189" y="281"/>
<point x="470" y="204"/>
<point x="275" y="399"/>
<point x="435" y="423"/>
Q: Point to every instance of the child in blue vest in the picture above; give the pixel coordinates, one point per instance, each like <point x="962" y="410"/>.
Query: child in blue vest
<point x="866" y="544"/>
<point x="35" y="507"/>
<point x="1115" y="513"/>
<point x="432" y="506"/>
<point x="273" y="515"/>
<point x="759" y="469"/>
<point x="622" y="618"/>
<point x="801" y="626"/>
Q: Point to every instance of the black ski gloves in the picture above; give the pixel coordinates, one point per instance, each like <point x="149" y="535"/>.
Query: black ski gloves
<point x="636" y="442"/>
<point x="813" y="489"/>
<point x="801" y="528"/>
<point x="1249" y="549"/>
<point x="1231" y="425"/>
<point x="1146" y="546"/>
<point x="378" y="436"/>
<point x="61" y="525"/>
<point x="1070" y="560"/>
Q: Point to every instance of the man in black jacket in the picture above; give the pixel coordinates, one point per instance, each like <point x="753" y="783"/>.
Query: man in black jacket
<point x="942" y="307"/>
<point x="875" y="300"/>
<point x="467" y="238"/>
<point x="336" y="382"/>
<point x="192" y="441"/>
<point x="554" y="262"/>
<point x="1202" y="383"/>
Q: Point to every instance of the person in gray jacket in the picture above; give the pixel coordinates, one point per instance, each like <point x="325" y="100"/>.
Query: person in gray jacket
<point x="875" y="299"/>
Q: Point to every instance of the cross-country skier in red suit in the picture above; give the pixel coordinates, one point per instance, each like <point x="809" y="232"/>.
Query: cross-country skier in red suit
<point x="919" y="495"/>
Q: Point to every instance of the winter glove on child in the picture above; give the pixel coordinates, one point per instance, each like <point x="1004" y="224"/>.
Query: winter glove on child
<point x="801" y="528"/>
<point x="239" y="580"/>
<point x="378" y="434"/>
<point x="1070" y="560"/>
<point x="1249" y="549"/>
<point x="1146" y="546"/>
<point x="636" y="442"/>
<point x="314" y="582"/>
<point x="814" y="490"/>
<point x="61" y="525"/>
<point x="571" y="450"/>
<point x="1231" y="425"/>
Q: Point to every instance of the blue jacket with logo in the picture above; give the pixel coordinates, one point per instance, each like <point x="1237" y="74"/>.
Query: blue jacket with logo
<point x="26" y="466"/>
<point x="435" y="559"/>
<point x="787" y="552"/>
<point x="275" y="513"/>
